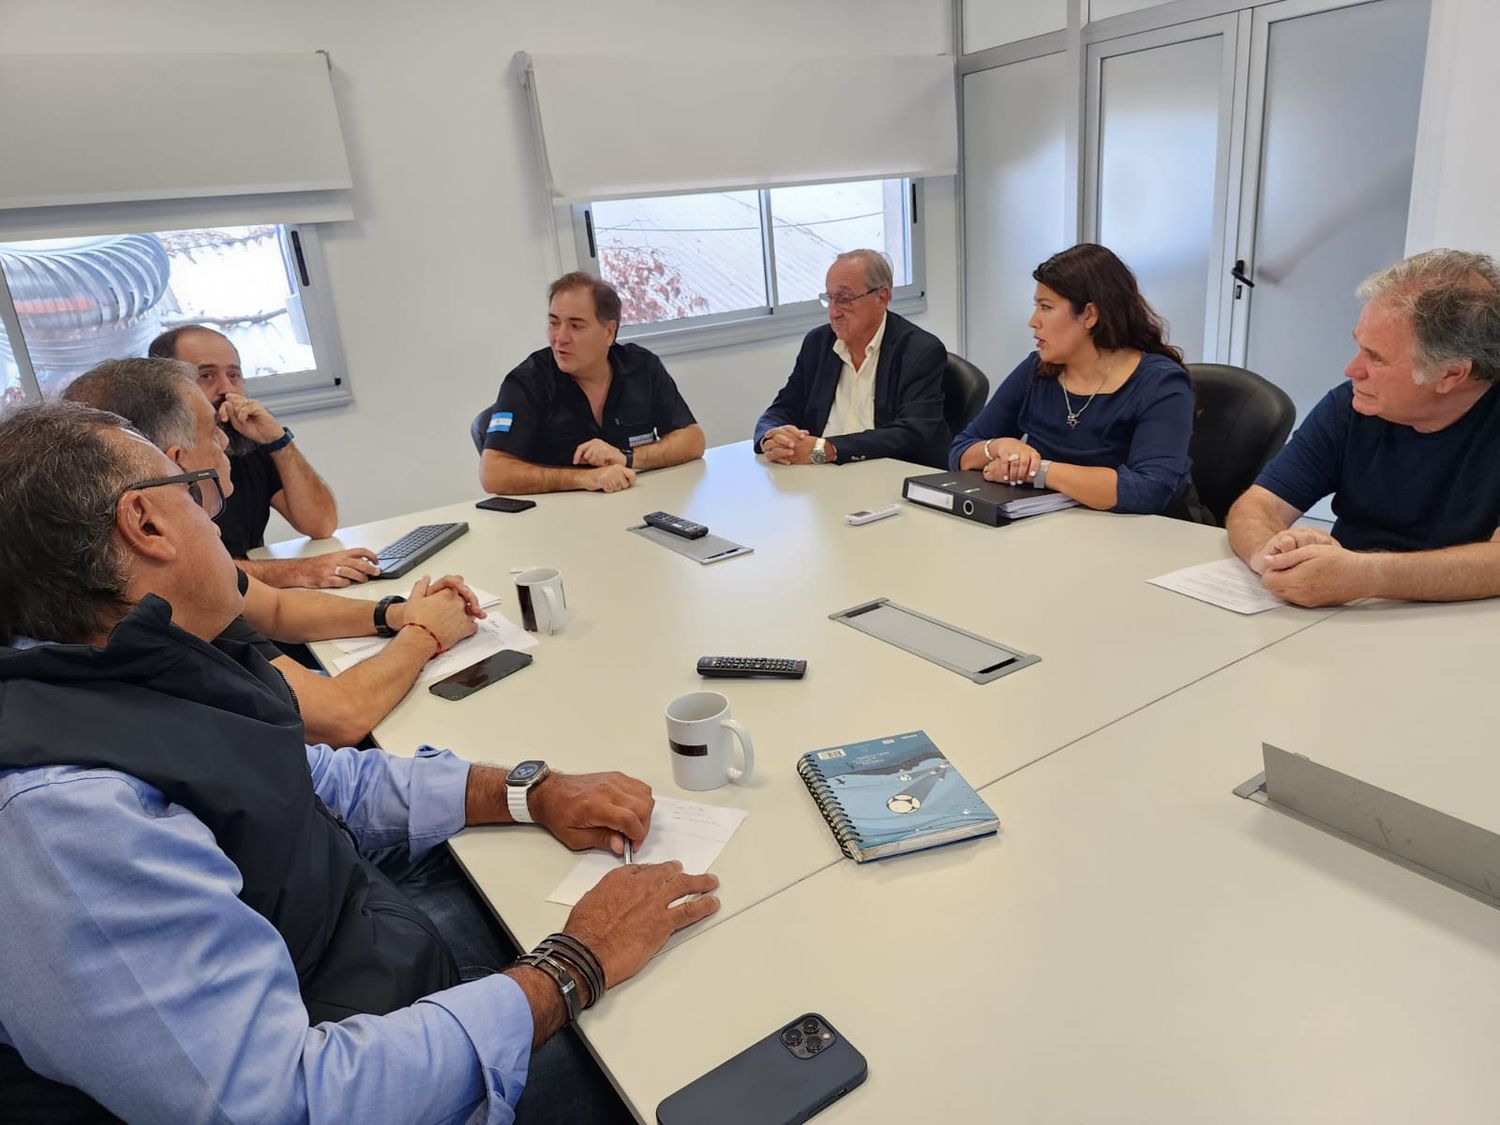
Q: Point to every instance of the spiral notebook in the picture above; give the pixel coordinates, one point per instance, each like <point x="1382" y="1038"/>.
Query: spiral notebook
<point x="889" y="796"/>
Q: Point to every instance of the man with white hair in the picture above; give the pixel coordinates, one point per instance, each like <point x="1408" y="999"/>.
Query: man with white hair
<point x="867" y="384"/>
<point x="1409" y="447"/>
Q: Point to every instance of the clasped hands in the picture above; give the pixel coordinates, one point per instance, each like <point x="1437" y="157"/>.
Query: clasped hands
<point x="791" y="445"/>
<point x="1011" y="461"/>
<point x="610" y="473"/>
<point x="1308" y="567"/>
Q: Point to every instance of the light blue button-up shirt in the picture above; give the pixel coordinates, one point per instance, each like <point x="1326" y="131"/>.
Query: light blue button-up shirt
<point x="132" y="971"/>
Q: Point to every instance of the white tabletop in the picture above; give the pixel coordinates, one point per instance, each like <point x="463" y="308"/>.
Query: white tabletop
<point x="1070" y="587"/>
<point x="1138" y="945"/>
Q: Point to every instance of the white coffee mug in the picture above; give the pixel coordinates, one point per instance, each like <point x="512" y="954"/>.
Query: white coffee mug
<point x="698" y="730"/>
<point x="544" y="606"/>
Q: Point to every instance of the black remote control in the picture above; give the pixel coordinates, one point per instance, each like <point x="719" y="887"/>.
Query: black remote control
<point x="676" y="525"/>
<point x="751" y="667"/>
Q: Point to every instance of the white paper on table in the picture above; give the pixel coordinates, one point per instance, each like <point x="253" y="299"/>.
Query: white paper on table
<point x="374" y="591"/>
<point x="494" y="633"/>
<point x="1227" y="583"/>
<point x="692" y="833"/>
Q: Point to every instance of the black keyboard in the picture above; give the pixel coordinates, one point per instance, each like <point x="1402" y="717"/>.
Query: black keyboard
<point x="417" y="545"/>
<point x="751" y="667"/>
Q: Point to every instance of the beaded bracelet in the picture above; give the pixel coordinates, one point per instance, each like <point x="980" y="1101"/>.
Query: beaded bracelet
<point x="429" y="632"/>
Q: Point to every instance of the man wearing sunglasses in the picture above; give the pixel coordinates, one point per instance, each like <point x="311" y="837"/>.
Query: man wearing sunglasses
<point x="159" y="398"/>
<point x="867" y="384"/>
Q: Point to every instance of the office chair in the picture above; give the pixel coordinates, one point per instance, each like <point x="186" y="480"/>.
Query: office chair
<point x="1240" y="421"/>
<point x="481" y="424"/>
<point x="964" y="390"/>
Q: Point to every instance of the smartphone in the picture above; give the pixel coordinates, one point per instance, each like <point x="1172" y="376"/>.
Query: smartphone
<point x="795" y="1072"/>
<point x="476" y="676"/>
<point x="505" y="504"/>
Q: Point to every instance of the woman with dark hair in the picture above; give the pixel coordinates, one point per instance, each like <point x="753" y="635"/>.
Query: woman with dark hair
<point x="1102" y="411"/>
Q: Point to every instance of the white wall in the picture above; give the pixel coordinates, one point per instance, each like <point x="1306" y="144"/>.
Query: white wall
<point x="439" y="283"/>
<point x="1453" y="189"/>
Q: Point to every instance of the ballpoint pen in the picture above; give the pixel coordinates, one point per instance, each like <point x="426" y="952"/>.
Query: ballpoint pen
<point x="629" y="853"/>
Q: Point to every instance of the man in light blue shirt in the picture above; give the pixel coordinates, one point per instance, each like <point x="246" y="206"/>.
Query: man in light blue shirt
<point x="196" y="937"/>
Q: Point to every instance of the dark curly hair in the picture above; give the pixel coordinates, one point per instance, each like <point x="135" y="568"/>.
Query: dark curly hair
<point x="1091" y="274"/>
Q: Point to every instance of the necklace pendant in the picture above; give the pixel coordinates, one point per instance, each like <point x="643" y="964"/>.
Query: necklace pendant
<point x="1072" y="420"/>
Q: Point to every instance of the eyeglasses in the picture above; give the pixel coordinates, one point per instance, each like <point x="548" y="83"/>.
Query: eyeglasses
<point x="844" y="300"/>
<point x="210" y="499"/>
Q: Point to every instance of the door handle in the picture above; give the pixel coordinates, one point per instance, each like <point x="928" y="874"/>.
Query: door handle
<point x="1238" y="273"/>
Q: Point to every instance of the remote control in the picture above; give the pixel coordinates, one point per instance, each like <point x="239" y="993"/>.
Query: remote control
<point x="857" y="518"/>
<point x="751" y="667"/>
<point x="676" y="525"/>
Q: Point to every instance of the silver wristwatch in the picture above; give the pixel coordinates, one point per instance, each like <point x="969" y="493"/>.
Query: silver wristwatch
<point x="519" y="782"/>
<point x="1040" y="480"/>
<point x="819" y="454"/>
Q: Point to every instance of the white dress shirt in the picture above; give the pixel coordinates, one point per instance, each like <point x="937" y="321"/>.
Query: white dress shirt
<point x="854" y="401"/>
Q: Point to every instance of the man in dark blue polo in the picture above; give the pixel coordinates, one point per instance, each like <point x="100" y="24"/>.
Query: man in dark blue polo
<point x="585" y="412"/>
<point x="1408" y="446"/>
<point x="867" y="384"/>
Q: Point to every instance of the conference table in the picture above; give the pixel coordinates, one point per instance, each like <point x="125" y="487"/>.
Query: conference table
<point x="1132" y="945"/>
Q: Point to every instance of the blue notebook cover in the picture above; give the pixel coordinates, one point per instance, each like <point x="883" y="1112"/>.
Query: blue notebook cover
<point x="889" y="796"/>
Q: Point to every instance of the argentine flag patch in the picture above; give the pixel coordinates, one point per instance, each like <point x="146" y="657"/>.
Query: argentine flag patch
<point x="500" y="422"/>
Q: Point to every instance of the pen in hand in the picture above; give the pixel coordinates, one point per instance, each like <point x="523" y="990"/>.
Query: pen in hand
<point x="629" y="853"/>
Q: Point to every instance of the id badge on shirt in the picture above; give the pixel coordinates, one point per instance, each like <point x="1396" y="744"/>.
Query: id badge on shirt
<point x="642" y="439"/>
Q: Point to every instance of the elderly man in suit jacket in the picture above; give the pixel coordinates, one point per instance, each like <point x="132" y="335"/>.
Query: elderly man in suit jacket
<point x="867" y="384"/>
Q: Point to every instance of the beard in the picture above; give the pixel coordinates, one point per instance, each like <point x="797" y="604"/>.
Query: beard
<point x="239" y="444"/>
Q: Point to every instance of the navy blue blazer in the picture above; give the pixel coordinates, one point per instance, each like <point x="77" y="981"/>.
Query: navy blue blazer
<point x="909" y="422"/>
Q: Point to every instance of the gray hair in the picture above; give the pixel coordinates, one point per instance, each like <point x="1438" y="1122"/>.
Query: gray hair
<point x="1452" y="298"/>
<point x="877" y="266"/>
<point x="63" y="575"/>
<point x="147" y="392"/>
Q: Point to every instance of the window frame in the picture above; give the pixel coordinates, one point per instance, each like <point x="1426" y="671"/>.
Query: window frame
<point x="287" y="393"/>
<point x="763" y="322"/>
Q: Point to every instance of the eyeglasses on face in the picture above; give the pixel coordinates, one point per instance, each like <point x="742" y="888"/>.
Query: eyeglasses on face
<point x="202" y="485"/>
<point x="844" y="300"/>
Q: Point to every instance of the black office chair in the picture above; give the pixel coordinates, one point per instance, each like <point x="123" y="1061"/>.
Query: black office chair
<point x="480" y="425"/>
<point x="1240" y="421"/>
<point x="964" y="390"/>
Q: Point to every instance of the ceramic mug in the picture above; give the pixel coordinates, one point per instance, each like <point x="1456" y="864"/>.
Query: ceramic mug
<point x="698" y="734"/>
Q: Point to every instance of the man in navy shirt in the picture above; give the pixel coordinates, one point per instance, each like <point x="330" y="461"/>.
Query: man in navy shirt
<point x="585" y="412"/>
<point x="1409" y="448"/>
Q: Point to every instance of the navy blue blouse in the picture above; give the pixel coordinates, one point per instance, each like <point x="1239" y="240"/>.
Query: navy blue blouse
<point x="1141" y="430"/>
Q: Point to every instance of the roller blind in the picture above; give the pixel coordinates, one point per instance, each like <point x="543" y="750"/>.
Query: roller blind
<point x="612" y="127"/>
<point x="219" y="137"/>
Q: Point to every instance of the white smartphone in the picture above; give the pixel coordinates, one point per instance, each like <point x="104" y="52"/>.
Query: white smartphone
<point x="867" y="516"/>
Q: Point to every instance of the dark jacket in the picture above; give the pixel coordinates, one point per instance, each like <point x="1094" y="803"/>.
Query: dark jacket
<point x="216" y="730"/>
<point x="909" y="421"/>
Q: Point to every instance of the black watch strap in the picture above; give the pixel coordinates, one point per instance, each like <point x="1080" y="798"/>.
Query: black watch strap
<point x="280" y="443"/>
<point x="381" y="607"/>
<point x="629" y="458"/>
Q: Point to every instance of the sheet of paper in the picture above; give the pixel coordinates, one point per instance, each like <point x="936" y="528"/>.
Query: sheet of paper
<point x="494" y="633"/>
<point x="1228" y="583"/>
<point x="692" y="833"/>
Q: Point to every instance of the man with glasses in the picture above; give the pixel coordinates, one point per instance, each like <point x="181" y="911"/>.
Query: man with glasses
<point x="867" y="384"/>
<point x="158" y="397"/>
<point x="194" y="928"/>
<point x="269" y="471"/>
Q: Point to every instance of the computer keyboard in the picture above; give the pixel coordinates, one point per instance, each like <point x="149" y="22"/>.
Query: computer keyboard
<point x="416" y="545"/>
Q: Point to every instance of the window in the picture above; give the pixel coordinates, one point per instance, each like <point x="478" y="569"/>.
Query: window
<point x="80" y="301"/>
<point x="709" y="268"/>
<point x="12" y="393"/>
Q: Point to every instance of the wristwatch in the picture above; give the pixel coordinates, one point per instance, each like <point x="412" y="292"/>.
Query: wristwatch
<point x="1040" y="480"/>
<point x="819" y="454"/>
<point x="382" y="629"/>
<point x="629" y="458"/>
<point x="521" y="780"/>
<point x="280" y="443"/>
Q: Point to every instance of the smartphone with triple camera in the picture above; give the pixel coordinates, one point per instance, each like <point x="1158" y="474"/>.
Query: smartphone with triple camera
<point x="795" y="1072"/>
<point x="485" y="672"/>
<point x="505" y="504"/>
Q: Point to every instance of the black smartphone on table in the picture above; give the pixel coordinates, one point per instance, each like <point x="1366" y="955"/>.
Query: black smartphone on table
<point x="795" y="1072"/>
<point x="505" y="504"/>
<point x="482" y="674"/>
